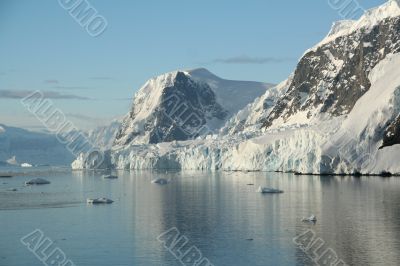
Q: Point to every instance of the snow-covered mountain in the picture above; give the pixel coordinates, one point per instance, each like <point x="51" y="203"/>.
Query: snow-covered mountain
<point x="104" y="136"/>
<point x="101" y="137"/>
<point x="330" y="77"/>
<point x="251" y="118"/>
<point x="183" y="105"/>
<point x="32" y="147"/>
<point x="339" y="112"/>
<point x="333" y="75"/>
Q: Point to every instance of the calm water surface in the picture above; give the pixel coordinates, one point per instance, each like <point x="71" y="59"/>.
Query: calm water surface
<point x="219" y="213"/>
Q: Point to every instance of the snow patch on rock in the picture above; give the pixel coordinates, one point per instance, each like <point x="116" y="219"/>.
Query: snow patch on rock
<point x="371" y="18"/>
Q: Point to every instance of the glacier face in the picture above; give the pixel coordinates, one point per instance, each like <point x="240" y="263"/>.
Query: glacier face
<point x="337" y="113"/>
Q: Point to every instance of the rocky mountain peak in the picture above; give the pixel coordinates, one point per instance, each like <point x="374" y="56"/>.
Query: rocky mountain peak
<point x="183" y="105"/>
<point x="333" y="75"/>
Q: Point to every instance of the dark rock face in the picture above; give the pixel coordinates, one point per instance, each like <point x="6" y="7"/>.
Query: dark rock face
<point x="182" y="114"/>
<point x="333" y="77"/>
<point x="392" y="134"/>
<point x="184" y="111"/>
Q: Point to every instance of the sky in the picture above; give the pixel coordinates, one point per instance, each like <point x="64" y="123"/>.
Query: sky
<point x="92" y="79"/>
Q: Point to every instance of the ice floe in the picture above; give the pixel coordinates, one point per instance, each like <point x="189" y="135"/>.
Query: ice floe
<point x="37" y="181"/>
<point x="269" y="190"/>
<point x="311" y="219"/>
<point x="99" y="201"/>
<point x="110" y="177"/>
<point x="160" y="181"/>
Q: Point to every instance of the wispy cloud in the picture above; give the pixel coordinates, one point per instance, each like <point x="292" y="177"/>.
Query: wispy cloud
<point x="20" y="94"/>
<point x="102" y="78"/>
<point x="51" y="81"/>
<point x="122" y="99"/>
<point x="244" y="59"/>
<point x="72" y="87"/>
<point x="82" y="117"/>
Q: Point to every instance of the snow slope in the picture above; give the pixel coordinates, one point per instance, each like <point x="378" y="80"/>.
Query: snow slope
<point x="233" y="95"/>
<point x="368" y="120"/>
<point x="250" y="119"/>
<point x="104" y="136"/>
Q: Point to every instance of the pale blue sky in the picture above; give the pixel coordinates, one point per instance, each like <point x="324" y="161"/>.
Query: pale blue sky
<point x="42" y="47"/>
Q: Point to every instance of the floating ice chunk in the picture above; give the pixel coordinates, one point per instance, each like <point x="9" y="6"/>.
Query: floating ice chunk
<point x="312" y="219"/>
<point x="160" y="181"/>
<point x="12" y="161"/>
<point x="110" y="176"/>
<point x="26" y="165"/>
<point x="37" y="181"/>
<point x="268" y="190"/>
<point x="99" y="201"/>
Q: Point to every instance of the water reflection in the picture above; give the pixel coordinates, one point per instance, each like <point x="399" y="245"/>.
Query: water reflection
<point x="219" y="212"/>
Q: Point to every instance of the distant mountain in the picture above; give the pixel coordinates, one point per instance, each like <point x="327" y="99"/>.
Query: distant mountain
<point x="183" y="105"/>
<point x="19" y="145"/>
<point x="32" y="147"/>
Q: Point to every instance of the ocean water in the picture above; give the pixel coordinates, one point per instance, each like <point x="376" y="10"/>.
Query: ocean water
<point x="219" y="214"/>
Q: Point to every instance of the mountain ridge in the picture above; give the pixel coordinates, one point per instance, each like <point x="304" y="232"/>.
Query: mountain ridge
<point x="338" y="113"/>
<point x="183" y="105"/>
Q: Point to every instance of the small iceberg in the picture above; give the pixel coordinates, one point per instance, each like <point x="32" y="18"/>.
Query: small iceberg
<point x="269" y="190"/>
<point x="311" y="219"/>
<point x="26" y="165"/>
<point x="99" y="201"/>
<point x="12" y="161"/>
<point x="160" y="181"/>
<point x="110" y="176"/>
<point x="37" y="181"/>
